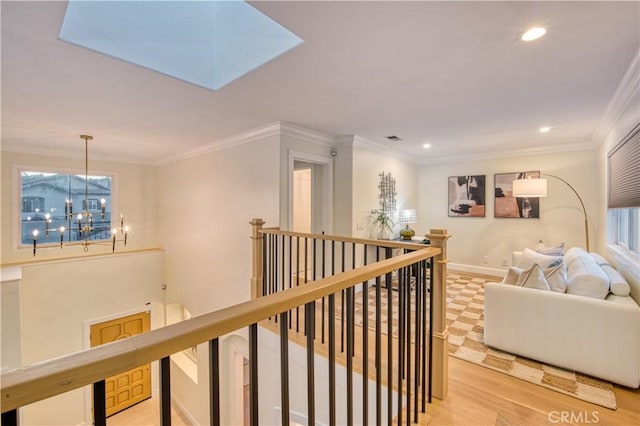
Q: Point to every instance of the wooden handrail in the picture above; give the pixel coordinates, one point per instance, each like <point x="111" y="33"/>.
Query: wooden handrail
<point x="409" y="245"/>
<point x="39" y="381"/>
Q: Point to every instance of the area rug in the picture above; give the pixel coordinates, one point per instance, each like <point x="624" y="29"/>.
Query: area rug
<point x="465" y="319"/>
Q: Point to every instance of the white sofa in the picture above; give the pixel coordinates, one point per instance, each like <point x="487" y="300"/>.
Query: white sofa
<point x="597" y="337"/>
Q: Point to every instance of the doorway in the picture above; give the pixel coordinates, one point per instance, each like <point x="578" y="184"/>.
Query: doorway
<point x="133" y="386"/>
<point x="310" y="194"/>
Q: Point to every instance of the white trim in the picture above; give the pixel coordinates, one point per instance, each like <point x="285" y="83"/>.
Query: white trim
<point x="360" y="142"/>
<point x="291" y="129"/>
<point x="327" y="186"/>
<point x="272" y="129"/>
<point x="625" y="93"/>
<point x="498" y="273"/>
<point x="183" y="410"/>
<point x="454" y="158"/>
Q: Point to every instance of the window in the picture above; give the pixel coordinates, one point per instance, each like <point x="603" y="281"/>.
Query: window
<point x="51" y="201"/>
<point x="623" y="192"/>
<point x="32" y="204"/>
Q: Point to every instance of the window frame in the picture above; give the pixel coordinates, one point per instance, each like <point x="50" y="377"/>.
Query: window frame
<point x="16" y="199"/>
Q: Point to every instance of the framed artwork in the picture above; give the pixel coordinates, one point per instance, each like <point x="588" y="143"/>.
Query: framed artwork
<point x="466" y="196"/>
<point x="508" y="206"/>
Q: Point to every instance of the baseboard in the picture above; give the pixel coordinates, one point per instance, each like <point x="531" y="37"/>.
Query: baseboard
<point x="183" y="410"/>
<point x="492" y="272"/>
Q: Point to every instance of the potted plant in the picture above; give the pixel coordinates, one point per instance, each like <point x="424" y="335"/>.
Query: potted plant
<point x="383" y="221"/>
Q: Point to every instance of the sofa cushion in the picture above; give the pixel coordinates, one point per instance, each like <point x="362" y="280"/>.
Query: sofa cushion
<point x="586" y="278"/>
<point x="533" y="278"/>
<point x="617" y="284"/>
<point x="557" y="277"/>
<point x="574" y="253"/>
<point x="549" y="251"/>
<point x="531" y="257"/>
<point x="512" y="275"/>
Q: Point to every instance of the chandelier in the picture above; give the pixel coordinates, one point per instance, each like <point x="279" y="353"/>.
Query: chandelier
<point x="83" y="224"/>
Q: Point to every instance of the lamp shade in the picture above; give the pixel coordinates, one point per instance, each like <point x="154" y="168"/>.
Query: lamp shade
<point x="407" y="216"/>
<point x="529" y="188"/>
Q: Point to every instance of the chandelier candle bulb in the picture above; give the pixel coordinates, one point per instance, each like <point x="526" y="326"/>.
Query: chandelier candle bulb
<point x="126" y="231"/>
<point x="61" y="235"/>
<point x="35" y="239"/>
<point x="79" y="224"/>
<point x="103" y="207"/>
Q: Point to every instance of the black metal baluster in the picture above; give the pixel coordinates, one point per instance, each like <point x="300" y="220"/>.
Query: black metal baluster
<point x="313" y="272"/>
<point x="342" y="306"/>
<point x="424" y="337"/>
<point x="352" y="306"/>
<point x="99" y="404"/>
<point x="324" y="264"/>
<point x="306" y="244"/>
<point x="408" y="341"/>
<point x="253" y="371"/>
<point x="297" y="281"/>
<point x="417" y="342"/>
<point x="378" y="347"/>
<point x="10" y="418"/>
<point x="290" y="271"/>
<point x="165" y="391"/>
<point x="332" y="362"/>
<point x="284" y="368"/>
<point x="309" y="320"/>
<point x="389" y="288"/>
<point x="265" y="277"/>
<point x="431" y="327"/>
<point x="276" y="265"/>
<point x="349" y="357"/>
<point x="365" y="353"/>
<point x="214" y="382"/>
<point x="400" y="343"/>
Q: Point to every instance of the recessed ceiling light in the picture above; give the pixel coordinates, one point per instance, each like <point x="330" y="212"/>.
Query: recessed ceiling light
<point x="534" y="33"/>
<point x="426" y="145"/>
<point x="544" y="129"/>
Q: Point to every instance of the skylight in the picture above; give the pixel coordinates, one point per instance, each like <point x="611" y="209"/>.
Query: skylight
<point x="207" y="43"/>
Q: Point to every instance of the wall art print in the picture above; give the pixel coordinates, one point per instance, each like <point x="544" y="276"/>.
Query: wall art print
<point x="514" y="207"/>
<point x="467" y="196"/>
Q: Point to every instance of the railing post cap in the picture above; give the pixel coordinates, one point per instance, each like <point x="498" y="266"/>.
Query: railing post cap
<point x="257" y="221"/>
<point x="438" y="234"/>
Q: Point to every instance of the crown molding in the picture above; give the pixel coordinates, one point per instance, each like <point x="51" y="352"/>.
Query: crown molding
<point x="294" y="130"/>
<point x="273" y="129"/>
<point x="625" y="93"/>
<point x="456" y="158"/>
<point x="360" y="142"/>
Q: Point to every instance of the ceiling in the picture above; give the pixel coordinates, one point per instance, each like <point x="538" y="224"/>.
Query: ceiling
<point x="453" y="74"/>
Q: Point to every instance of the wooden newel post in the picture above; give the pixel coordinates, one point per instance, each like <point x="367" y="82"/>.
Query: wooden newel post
<point x="257" y="256"/>
<point x="440" y="348"/>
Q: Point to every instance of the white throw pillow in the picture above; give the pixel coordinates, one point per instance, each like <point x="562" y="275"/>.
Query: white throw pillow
<point x="533" y="278"/>
<point x="549" y="251"/>
<point x="586" y="278"/>
<point x="573" y="253"/>
<point x="512" y="275"/>
<point x="599" y="259"/>
<point x="531" y="257"/>
<point x="557" y="277"/>
<point x="617" y="284"/>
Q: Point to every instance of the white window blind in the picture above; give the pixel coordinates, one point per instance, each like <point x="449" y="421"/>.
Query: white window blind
<point x="624" y="172"/>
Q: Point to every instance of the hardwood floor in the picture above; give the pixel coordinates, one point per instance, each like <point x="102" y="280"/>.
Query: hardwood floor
<point x="146" y="413"/>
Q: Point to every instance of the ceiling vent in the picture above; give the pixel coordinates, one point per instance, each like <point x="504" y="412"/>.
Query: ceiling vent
<point x="394" y="138"/>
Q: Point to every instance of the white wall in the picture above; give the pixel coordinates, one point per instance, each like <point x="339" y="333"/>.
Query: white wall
<point x="206" y="203"/>
<point x="134" y="195"/>
<point x="343" y="190"/>
<point x="561" y="217"/>
<point x="367" y="165"/>
<point x="59" y="300"/>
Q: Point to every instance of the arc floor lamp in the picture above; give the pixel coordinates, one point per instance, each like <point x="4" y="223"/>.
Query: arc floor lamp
<point x="537" y="187"/>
